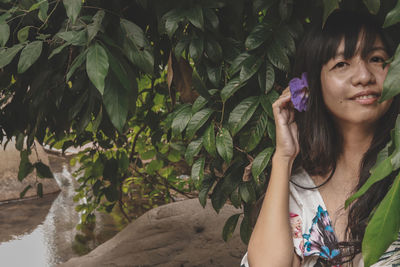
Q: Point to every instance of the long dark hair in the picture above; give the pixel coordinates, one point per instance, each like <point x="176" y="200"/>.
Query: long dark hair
<point x="320" y="142"/>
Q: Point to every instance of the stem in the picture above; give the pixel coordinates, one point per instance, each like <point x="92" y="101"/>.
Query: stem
<point x="134" y="142"/>
<point x="121" y="207"/>
<point x="51" y="13"/>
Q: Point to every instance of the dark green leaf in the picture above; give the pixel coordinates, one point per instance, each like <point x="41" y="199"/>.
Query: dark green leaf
<point x="196" y="48"/>
<point x="199" y="85"/>
<point x="230" y="88"/>
<point x="206" y="185"/>
<point x="393" y="16"/>
<point x="283" y="38"/>
<point x="154" y="166"/>
<point x="381" y="171"/>
<point x="236" y="199"/>
<point x="192" y="150"/>
<point x="277" y="56"/>
<point x="224" y="144"/>
<point x="23" y="193"/>
<point x="270" y="77"/>
<point x="78" y="61"/>
<point x="23" y="34"/>
<point x="42" y="170"/>
<point x="329" y="7"/>
<point x="390" y="85"/>
<point x="58" y="50"/>
<point x="4" y="33"/>
<point x="199" y="103"/>
<point x="212" y="18"/>
<point x="247" y="192"/>
<point x="260" y="33"/>
<point x="373" y="5"/>
<point x="29" y="55"/>
<point x="95" y="26"/>
<point x="261" y="161"/>
<point x="257" y="131"/>
<point x="385" y="223"/>
<point x="230" y="226"/>
<point x="271" y="130"/>
<point x="172" y="19"/>
<point x="97" y="66"/>
<point x="197" y="121"/>
<point x="209" y="140"/>
<point x="195" y="16"/>
<point x="134" y="33"/>
<point x="43" y="9"/>
<point x="213" y="50"/>
<point x="267" y="101"/>
<point x="198" y="169"/>
<point x="214" y="75"/>
<point x="245" y="230"/>
<point x="72" y="7"/>
<point x="242" y="113"/>
<point x="39" y="189"/>
<point x="25" y="167"/>
<point x="116" y="102"/>
<point x="78" y="38"/>
<point x="249" y="67"/>
<point x="237" y="63"/>
<point x="181" y="120"/>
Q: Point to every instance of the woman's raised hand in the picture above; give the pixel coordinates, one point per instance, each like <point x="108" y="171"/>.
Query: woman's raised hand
<point x="287" y="141"/>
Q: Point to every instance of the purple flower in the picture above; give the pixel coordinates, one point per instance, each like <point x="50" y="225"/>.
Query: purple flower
<point x="298" y="89"/>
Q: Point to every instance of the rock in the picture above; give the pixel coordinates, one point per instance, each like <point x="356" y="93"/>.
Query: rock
<point x="180" y="234"/>
<point x="10" y="187"/>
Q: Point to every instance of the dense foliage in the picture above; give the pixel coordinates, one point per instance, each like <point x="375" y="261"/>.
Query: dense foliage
<point x="146" y="83"/>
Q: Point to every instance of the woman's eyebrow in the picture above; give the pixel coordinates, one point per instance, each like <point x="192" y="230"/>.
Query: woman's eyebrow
<point x="377" y="48"/>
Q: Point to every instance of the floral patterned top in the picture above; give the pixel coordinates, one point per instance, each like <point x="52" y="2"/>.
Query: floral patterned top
<point x="314" y="239"/>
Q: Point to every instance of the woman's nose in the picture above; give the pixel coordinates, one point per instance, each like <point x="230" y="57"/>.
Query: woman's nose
<point x="363" y="74"/>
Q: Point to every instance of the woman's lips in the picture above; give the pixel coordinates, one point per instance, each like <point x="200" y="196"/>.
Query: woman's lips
<point x="366" y="99"/>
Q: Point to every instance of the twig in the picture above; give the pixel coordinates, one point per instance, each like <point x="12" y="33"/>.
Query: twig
<point x="134" y="142"/>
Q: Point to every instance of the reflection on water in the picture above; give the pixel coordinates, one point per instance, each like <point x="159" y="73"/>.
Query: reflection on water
<point x="42" y="232"/>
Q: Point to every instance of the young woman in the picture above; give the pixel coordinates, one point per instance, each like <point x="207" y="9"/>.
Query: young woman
<point x="323" y="154"/>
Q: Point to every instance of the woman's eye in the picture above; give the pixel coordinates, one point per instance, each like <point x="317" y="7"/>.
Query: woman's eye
<point x="340" y="65"/>
<point x="378" y="59"/>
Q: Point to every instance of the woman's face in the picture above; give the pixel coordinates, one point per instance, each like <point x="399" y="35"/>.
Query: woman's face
<point x="351" y="87"/>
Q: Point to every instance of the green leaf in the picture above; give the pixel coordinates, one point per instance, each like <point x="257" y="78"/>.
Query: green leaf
<point x="373" y="5"/>
<point x="390" y="85"/>
<point x="206" y="185"/>
<point x="260" y="33"/>
<point x="19" y="143"/>
<point x="195" y="16"/>
<point x="198" y="120"/>
<point x="39" y="189"/>
<point x="143" y="59"/>
<point x="23" y="193"/>
<point x="7" y="54"/>
<point x="4" y="33"/>
<point x="25" y="167"/>
<point x="214" y="75"/>
<point x="134" y="33"/>
<point x="270" y="77"/>
<point x="196" y="48"/>
<point x="209" y="140"/>
<point x="277" y="56"/>
<point x="245" y="230"/>
<point x="29" y="55"/>
<point x="181" y="120"/>
<point x="78" y="38"/>
<point x="192" y="150"/>
<point x="78" y="61"/>
<point x="172" y="19"/>
<point x="154" y="166"/>
<point x="385" y="224"/>
<point x="284" y="39"/>
<point x="329" y="7"/>
<point x="393" y="16"/>
<point x="271" y="130"/>
<point x="95" y="26"/>
<point x="42" y="170"/>
<point x="211" y="18"/>
<point x="379" y="172"/>
<point x="58" y="50"/>
<point x="242" y="113"/>
<point x="174" y="156"/>
<point x="261" y="161"/>
<point x="199" y="85"/>
<point x="236" y="199"/>
<point x="230" y="88"/>
<point x="198" y="169"/>
<point x="97" y="66"/>
<point x="237" y="63"/>
<point x="116" y="102"/>
<point x="257" y="131"/>
<point x="72" y="7"/>
<point x="249" y="67"/>
<point x="43" y="9"/>
<point x="267" y="101"/>
<point x="199" y="103"/>
<point x="247" y="192"/>
<point x="224" y="144"/>
<point x="230" y="226"/>
<point x="213" y="50"/>
<point x="23" y="34"/>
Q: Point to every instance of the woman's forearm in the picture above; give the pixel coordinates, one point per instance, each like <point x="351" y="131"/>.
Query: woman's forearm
<point x="271" y="242"/>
